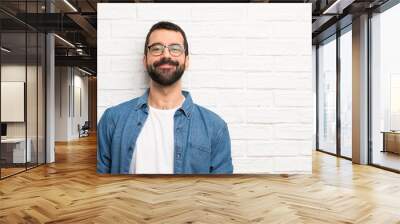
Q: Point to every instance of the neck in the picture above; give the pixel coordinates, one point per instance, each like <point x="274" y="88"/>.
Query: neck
<point x="165" y="97"/>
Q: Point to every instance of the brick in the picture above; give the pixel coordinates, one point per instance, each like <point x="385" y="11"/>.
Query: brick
<point x="203" y="63"/>
<point x="266" y="115"/>
<point x="218" y="12"/>
<point x="260" y="148"/>
<point x="279" y="12"/>
<point x="276" y="80"/>
<point x="204" y="97"/>
<point x="129" y="29"/>
<point x="232" y="115"/>
<point x="198" y="30"/>
<point x="293" y="131"/>
<point x="114" y="97"/>
<point x="122" y="81"/>
<point x="172" y="12"/>
<point x="128" y="63"/>
<point x="217" y="46"/>
<point x="259" y="98"/>
<point x="278" y="47"/>
<point x="116" y="11"/>
<point x="258" y="30"/>
<point x="230" y="97"/>
<point x="225" y="80"/>
<point x="116" y="47"/>
<point x="103" y="64"/>
<point x="229" y="30"/>
<point x="293" y="98"/>
<point x="248" y="132"/>
<point x="253" y="165"/>
<point x="247" y="63"/>
<point x="295" y="163"/>
<point x="278" y="148"/>
<point x="103" y="29"/>
<point x="296" y="29"/>
<point x="293" y="63"/>
<point x="238" y="149"/>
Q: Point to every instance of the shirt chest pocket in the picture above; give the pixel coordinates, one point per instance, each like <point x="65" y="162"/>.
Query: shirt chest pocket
<point x="199" y="157"/>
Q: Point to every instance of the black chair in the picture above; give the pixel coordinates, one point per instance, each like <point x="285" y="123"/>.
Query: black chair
<point x="84" y="130"/>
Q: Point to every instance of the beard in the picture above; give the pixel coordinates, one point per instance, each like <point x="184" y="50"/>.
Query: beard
<point x="165" y="77"/>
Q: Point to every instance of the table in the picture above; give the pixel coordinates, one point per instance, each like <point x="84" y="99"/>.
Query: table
<point x="391" y="141"/>
<point x="16" y="147"/>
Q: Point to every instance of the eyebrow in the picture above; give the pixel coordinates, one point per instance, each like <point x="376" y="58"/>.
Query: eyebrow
<point x="163" y="44"/>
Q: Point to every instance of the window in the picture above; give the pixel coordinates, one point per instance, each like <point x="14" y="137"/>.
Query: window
<point x="22" y="77"/>
<point x="327" y="96"/>
<point x="385" y="89"/>
<point x="346" y="92"/>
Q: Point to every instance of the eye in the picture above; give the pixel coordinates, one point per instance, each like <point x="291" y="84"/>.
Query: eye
<point x="158" y="48"/>
<point x="176" y="49"/>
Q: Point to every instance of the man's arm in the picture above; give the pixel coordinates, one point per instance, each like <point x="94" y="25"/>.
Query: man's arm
<point x="104" y="143"/>
<point x="221" y="160"/>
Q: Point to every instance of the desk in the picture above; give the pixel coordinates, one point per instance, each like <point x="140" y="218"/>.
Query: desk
<point x="391" y="141"/>
<point x="16" y="147"/>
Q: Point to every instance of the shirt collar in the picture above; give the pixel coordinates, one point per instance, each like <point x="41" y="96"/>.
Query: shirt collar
<point x="186" y="107"/>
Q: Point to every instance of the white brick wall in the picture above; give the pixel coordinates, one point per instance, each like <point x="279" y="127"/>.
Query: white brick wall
<point x="250" y="63"/>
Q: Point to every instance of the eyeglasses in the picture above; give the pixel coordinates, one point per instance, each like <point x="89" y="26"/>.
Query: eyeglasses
<point x="174" y="49"/>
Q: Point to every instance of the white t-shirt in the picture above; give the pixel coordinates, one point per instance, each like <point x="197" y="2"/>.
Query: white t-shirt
<point x="154" y="149"/>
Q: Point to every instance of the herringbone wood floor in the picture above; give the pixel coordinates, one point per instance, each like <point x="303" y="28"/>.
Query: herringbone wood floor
<point x="70" y="191"/>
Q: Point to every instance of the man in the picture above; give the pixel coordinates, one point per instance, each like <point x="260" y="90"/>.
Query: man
<point x="163" y="131"/>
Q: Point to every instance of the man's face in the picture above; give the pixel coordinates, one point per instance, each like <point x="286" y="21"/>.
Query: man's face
<point x="168" y="67"/>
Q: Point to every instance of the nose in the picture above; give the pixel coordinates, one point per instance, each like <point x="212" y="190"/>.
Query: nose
<point x="166" y="53"/>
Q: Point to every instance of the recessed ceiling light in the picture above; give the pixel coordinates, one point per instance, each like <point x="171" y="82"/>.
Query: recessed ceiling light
<point x="70" y="5"/>
<point x="5" y="50"/>
<point x="337" y="7"/>
<point x="64" y="40"/>
<point x="84" y="71"/>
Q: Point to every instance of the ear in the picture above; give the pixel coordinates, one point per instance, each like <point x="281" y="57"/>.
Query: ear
<point x="144" y="62"/>
<point x="187" y="62"/>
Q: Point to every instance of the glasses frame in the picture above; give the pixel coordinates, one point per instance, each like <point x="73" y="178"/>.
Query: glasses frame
<point x="166" y="46"/>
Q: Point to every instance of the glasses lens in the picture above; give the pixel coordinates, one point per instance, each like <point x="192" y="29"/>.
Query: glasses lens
<point x="156" y="49"/>
<point x="175" y="49"/>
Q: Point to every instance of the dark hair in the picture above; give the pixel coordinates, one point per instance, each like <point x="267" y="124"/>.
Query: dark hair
<point x="164" y="25"/>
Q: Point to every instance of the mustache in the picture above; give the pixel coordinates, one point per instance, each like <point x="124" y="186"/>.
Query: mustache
<point x="164" y="61"/>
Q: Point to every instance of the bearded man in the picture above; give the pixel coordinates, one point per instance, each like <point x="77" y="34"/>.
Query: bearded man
<point x="163" y="131"/>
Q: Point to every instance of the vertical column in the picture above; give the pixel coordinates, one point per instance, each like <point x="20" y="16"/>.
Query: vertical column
<point x="50" y="92"/>
<point x="360" y="90"/>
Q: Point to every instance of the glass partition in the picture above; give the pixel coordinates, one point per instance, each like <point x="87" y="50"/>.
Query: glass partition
<point x="22" y="78"/>
<point x="14" y="153"/>
<point x="327" y="96"/>
<point x="385" y="89"/>
<point x="346" y="93"/>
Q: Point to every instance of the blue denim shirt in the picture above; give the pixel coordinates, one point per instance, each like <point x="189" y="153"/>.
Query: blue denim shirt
<point x="201" y="138"/>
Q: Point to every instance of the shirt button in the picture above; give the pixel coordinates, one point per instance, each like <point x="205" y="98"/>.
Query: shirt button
<point x="139" y="123"/>
<point x="178" y="155"/>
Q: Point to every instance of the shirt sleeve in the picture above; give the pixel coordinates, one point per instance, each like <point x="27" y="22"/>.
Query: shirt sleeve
<point x="221" y="160"/>
<point x="104" y="143"/>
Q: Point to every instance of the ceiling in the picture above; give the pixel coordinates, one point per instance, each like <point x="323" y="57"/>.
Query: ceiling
<point x="76" y="22"/>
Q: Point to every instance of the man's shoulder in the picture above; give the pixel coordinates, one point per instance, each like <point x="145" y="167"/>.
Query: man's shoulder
<point x="210" y="116"/>
<point x="123" y="107"/>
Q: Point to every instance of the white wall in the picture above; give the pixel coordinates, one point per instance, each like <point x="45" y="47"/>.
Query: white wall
<point x="33" y="126"/>
<point x="18" y="73"/>
<point x="250" y="63"/>
<point x="66" y="121"/>
<point x="314" y="90"/>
